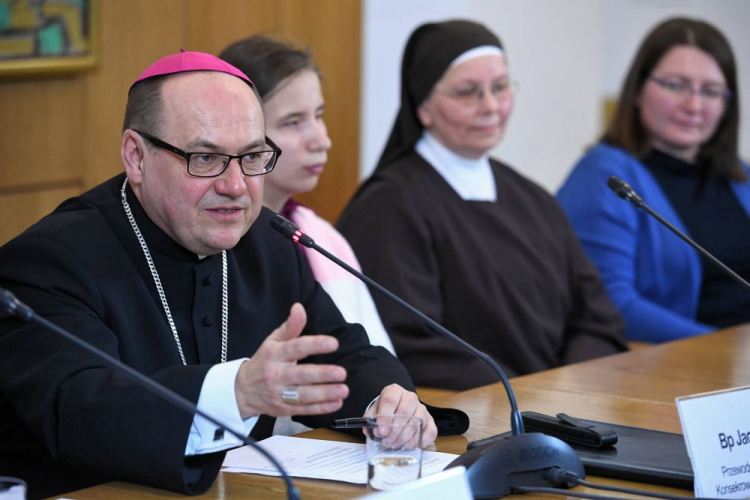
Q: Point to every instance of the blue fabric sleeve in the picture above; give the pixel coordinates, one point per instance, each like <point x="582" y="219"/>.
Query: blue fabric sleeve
<point x="609" y="229"/>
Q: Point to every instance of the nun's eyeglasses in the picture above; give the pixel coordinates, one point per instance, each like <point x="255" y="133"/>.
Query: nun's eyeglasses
<point x="473" y="95"/>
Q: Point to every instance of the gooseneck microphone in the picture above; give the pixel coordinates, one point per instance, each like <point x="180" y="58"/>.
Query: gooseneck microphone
<point x="291" y="231"/>
<point x="12" y="305"/>
<point x="494" y="469"/>
<point x="624" y="191"/>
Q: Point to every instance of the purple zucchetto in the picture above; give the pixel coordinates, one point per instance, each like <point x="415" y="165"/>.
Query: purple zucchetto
<point x="184" y="61"/>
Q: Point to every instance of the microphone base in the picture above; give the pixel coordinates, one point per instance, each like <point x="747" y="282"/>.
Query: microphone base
<point x="495" y="468"/>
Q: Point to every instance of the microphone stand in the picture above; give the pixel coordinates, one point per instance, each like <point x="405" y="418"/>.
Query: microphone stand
<point x="10" y="303"/>
<point x="494" y="469"/>
<point x="626" y="192"/>
<point x="516" y="421"/>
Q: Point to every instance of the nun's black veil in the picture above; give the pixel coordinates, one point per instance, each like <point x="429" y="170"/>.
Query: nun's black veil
<point x="428" y="54"/>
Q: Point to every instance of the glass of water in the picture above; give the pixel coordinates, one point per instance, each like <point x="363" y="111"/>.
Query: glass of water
<point x="12" y="488"/>
<point x="394" y="450"/>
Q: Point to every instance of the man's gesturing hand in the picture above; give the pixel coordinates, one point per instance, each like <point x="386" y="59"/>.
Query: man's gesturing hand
<point x="273" y="371"/>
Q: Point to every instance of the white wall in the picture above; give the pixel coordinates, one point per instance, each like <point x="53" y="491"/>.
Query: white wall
<point x="567" y="55"/>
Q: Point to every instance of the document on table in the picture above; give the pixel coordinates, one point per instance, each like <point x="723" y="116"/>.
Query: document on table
<point x="318" y="459"/>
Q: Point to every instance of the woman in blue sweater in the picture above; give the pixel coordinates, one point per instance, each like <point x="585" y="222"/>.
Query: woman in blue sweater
<point x="674" y="138"/>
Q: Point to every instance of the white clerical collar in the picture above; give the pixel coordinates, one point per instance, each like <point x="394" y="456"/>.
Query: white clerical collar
<point x="471" y="179"/>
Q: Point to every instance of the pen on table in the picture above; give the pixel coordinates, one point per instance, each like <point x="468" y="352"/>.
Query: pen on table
<point x="350" y="423"/>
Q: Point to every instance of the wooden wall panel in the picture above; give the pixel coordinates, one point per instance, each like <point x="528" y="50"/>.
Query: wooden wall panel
<point x="335" y="41"/>
<point x="42" y="132"/>
<point x="21" y="210"/>
<point x="134" y="34"/>
<point x="213" y="25"/>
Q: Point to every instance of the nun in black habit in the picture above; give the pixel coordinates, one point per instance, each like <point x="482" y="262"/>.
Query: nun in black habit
<point x="465" y="238"/>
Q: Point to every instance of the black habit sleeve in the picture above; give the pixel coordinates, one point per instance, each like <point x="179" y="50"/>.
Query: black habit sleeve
<point x="400" y="249"/>
<point x="508" y="276"/>
<point x="592" y="327"/>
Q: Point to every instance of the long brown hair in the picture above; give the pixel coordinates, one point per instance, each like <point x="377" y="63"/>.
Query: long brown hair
<point x="720" y="153"/>
<point x="268" y="61"/>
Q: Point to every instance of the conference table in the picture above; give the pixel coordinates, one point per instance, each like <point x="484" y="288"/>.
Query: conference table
<point x="636" y="388"/>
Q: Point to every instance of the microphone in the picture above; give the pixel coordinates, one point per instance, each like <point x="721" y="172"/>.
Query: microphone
<point x="292" y="232"/>
<point x="12" y="305"/>
<point x="626" y="192"/>
<point x="494" y="469"/>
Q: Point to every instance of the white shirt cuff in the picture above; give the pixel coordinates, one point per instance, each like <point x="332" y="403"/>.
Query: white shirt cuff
<point x="218" y="399"/>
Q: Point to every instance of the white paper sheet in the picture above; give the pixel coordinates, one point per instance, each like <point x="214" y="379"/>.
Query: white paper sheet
<point x="318" y="459"/>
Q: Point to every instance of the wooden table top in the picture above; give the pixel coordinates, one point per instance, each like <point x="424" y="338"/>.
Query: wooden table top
<point x="636" y="388"/>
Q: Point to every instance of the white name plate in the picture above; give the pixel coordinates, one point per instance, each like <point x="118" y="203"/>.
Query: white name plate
<point x="716" y="426"/>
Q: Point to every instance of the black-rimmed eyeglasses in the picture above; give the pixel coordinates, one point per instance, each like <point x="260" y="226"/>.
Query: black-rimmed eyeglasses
<point x="207" y="164"/>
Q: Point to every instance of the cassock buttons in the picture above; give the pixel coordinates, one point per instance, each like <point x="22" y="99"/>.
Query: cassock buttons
<point x="208" y="321"/>
<point x="207" y="281"/>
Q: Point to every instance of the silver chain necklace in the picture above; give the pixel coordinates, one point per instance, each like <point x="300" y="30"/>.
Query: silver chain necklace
<point x="163" y="296"/>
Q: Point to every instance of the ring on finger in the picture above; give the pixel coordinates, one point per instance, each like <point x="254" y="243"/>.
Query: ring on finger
<point x="290" y="395"/>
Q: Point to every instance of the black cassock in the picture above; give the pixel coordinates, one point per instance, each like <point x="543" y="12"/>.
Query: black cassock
<point x="66" y="421"/>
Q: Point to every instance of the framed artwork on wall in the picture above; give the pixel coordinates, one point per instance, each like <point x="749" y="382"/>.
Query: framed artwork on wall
<point x="46" y="37"/>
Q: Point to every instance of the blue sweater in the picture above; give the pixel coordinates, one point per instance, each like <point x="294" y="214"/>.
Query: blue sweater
<point x="652" y="276"/>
